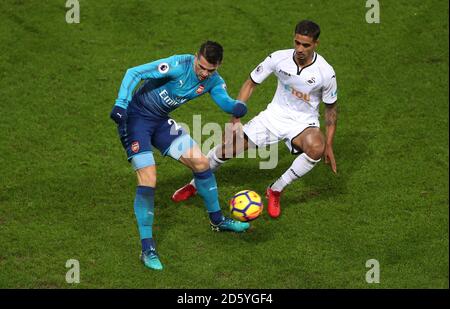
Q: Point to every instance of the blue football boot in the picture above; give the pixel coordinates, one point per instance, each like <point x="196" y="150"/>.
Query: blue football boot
<point x="151" y="260"/>
<point x="229" y="224"/>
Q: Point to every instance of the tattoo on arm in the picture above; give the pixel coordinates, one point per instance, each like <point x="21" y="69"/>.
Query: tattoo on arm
<point x="331" y="114"/>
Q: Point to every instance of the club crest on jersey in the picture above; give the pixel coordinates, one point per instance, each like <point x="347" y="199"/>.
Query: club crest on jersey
<point x="135" y="147"/>
<point x="163" y="67"/>
<point x="311" y="81"/>
<point x="200" y="89"/>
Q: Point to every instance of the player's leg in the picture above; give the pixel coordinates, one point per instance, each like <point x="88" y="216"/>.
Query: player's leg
<point x="216" y="157"/>
<point x="144" y="208"/>
<point x="310" y="143"/>
<point x="234" y="142"/>
<point x="173" y="141"/>
<point x="252" y="134"/>
<point x="206" y="185"/>
<point x="141" y="157"/>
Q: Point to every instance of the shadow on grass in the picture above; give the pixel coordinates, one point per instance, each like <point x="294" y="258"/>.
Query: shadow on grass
<point x="240" y="174"/>
<point x="320" y="183"/>
<point x="195" y="210"/>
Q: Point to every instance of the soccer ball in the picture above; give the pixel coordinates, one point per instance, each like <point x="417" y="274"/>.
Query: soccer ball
<point x="246" y="205"/>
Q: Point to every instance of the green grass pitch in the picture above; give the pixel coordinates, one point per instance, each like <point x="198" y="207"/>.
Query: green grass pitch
<point x="66" y="190"/>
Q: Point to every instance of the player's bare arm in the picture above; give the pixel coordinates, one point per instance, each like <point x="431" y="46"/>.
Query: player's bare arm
<point x="330" y="123"/>
<point x="246" y="90"/>
<point x="244" y="94"/>
<point x="237" y="134"/>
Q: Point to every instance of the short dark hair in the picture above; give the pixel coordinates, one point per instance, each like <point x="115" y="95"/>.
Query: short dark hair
<point x="212" y="52"/>
<point x="308" y="28"/>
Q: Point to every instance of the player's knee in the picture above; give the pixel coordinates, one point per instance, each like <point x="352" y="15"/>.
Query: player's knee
<point x="146" y="176"/>
<point x="200" y="164"/>
<point x="147" y="180"/>
<point x="315" y="150"/>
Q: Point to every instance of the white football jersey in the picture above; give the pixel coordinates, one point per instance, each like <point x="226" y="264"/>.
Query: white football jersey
<point x="300" y="90"/>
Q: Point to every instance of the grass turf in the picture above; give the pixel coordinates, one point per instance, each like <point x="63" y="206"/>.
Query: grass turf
<point x="66" y="190"/>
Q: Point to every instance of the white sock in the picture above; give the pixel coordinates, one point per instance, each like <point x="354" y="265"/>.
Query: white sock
<point x="214" y="161"/>
<point x="302" y="165"/>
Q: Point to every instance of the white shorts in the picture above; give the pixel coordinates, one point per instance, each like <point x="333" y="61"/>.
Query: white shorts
<point x="270" y="128"/>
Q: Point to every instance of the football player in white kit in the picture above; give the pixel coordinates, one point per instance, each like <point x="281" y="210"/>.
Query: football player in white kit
<point x="304" y="80"/>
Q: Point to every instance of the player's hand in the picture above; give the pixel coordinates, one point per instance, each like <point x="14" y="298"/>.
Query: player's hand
<point x="233" y="136"/>
<point x="329" y="158"/>
<point x="236" y="128"/>
<point x="119" y="115"/>
<point x="122" y="130"/>
<point x="235" y="120"/>
<point x="239" y="109"/>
